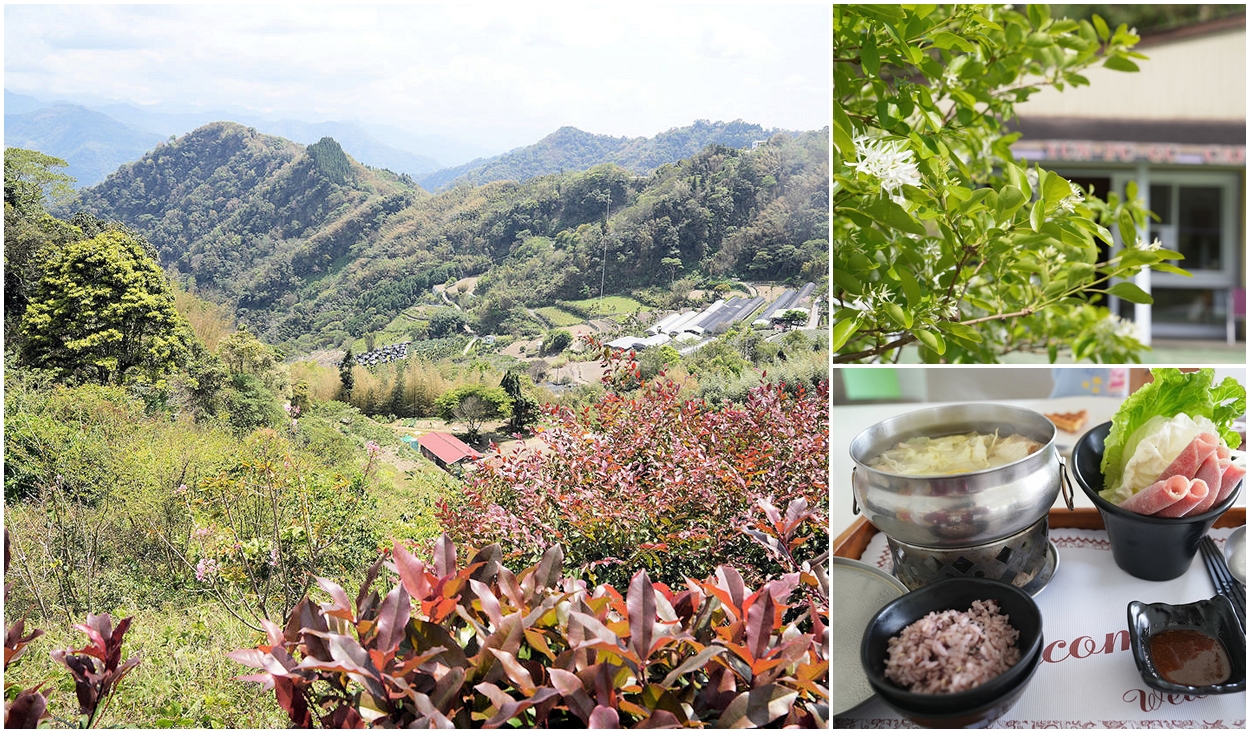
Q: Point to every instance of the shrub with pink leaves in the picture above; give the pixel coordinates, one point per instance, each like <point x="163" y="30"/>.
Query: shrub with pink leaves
<point x="457" y="645"/>
<point x="648" y="479"/>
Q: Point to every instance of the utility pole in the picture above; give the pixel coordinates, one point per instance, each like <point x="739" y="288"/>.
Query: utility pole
<point x="603" y="275"/>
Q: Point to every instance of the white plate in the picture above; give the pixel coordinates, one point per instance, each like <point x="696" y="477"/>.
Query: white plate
<point x="859" y="592"/>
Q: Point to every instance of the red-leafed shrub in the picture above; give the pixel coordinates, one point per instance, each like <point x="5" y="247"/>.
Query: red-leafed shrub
<point x="648" y="479"/>
<point x="474" y="645"/>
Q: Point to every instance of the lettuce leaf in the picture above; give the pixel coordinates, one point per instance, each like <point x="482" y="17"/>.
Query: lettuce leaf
<point x="1171" y="393"/>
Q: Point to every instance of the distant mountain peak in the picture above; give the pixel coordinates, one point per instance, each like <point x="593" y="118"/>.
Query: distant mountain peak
<point x="570" y="148"/>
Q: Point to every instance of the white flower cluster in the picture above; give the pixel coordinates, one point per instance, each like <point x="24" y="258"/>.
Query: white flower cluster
<point x="1114" y="326"/>
<point x="1070" y="203"/>
<point x="888" y="161"/>
<point x="1153" y="246"/>
<point x="1051" y="254"/>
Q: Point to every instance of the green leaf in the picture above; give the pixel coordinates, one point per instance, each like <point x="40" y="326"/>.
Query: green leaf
<point x="1038" y="14"/>
<point x="1078" y="273"/>
<point x="1010" y="198"/>
<point x="900" y="316"/>
<point x="980" y="303"/>
<point x="1052" y="353"/>
<point x="932" y="340"/>
<point x="1170" y="268"/>
<point x="1119" y="63"/>
<point x="1056" y="189"/>
<point x="946" y="39"/>
<point x="843" y="331"/>
<point x="1128" y="228"/>
<point x="959" y="192"/>
<point x="843" y="132"/>
<point x="1038" y="40"/>
<point x="847" y="281"/>
<point x="1100" y="25"/>
<point x="961" y="331"/>
<point x="911" y="289"/>
<point x="1038" y="215"/>
<point x="869" y="57"/>
<point x="885" y="13"/>
<point x="888" y="213"/>
<point x="1131" y="292"/>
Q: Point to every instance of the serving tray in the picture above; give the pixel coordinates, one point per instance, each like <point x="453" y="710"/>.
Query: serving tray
<point x="852" y="542"/>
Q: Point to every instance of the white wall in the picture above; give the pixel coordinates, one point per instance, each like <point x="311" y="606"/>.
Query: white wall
<point x="1201" y="78"/>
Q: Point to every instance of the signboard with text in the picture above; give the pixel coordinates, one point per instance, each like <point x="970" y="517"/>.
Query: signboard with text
<point x="1130" y="152"/>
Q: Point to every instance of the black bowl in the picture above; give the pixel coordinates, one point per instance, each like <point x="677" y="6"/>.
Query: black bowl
<point x="1214" y="617"/>
<point x="942" y="709"/>
<point x="1155" y="549"/>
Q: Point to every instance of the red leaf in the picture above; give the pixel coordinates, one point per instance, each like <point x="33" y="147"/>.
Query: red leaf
<point x="641" y="604"/>
<point x="293" y="701"/>
<point x="27" y="709"/>
<point x="392" y="619"/>
<point x="604" y="717"/>
<point x="411" y="572"/>
<point x="729" y="580"/>
<point x="339" y="605"/>
<point x="444" y="556"/>
<point x="759" y="625"/>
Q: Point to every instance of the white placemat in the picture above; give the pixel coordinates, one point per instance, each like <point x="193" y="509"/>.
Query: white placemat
<point x="1088" y="678"/>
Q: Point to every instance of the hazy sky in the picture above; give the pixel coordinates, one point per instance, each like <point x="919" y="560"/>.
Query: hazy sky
<point x="500" y="74"/>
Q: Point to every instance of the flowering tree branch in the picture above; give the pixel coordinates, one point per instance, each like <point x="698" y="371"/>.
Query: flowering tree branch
<point x="942" y="236"/>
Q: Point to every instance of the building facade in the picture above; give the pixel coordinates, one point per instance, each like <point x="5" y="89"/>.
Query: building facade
<point x="1177" y="130"/>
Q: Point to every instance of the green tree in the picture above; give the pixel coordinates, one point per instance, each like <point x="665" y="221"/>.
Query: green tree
<point x="242" y="352"/>
<point x="791" y="319"/>
<point x="29" y="230"/>
<point x="447" y="321"/>
<point x="346" y="377"/>
<point x="104" y="312"/>
<point x="474" y="404"/>
<point x="525" y="410"/>
<point x="251" y="405"/>
<point x="29" y="179"/>
<point x="557" y="341"/>
<point x="942" y="237"/>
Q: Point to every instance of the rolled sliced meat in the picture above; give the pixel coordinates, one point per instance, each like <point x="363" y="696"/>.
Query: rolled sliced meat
<point x="1232" y="476"/>
<point x="1212" y="473"/>
<point x="1198" y="492"/>
<point x="1192" y="456"/>
<point x="1158" y="496"/>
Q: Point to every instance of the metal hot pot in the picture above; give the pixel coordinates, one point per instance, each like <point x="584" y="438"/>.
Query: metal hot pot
<point x="990" y="523"/>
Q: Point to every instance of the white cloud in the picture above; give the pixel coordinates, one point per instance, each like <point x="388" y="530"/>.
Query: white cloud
<point x="511" y="72"/>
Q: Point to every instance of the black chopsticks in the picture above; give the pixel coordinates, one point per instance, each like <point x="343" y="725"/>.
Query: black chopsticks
<point x="1224" y="582"/>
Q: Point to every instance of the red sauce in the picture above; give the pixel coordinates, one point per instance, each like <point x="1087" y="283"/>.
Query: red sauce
<point x="1189" y="657"/>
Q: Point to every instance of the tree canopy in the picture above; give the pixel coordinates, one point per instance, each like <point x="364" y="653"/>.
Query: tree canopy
<point x="474" y="404"/>
<point x="104" y="312"/>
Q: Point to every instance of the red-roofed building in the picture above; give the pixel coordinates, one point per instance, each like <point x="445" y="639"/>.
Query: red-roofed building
<point x="446" y="451"/>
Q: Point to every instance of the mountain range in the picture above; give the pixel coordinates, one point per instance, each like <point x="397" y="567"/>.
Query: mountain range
<point x="96" y="141"/>
<point x="569" y="148"/>
<point x="310" y="247"/>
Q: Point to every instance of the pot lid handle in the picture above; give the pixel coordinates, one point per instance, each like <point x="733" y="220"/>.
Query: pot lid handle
<point x="1065" y="484"/>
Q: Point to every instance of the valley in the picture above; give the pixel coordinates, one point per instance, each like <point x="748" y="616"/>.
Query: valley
<point x="225" y="356"/>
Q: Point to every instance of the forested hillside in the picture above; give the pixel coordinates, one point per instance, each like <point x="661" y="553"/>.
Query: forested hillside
<point x="306" y="244"/>
<point x="569" y="148"/>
